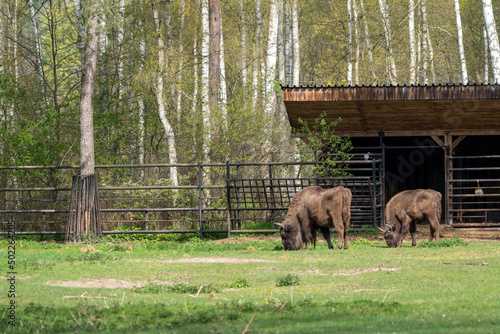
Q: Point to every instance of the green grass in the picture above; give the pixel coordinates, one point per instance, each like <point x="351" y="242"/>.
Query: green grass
<point x="437" y="288"/>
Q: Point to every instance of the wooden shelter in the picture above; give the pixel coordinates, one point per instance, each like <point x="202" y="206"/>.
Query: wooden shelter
<point x="446" y="113"/>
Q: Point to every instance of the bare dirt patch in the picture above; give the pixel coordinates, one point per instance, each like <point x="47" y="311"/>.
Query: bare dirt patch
<point x="105" y="283"/>
<point x="209" y="260"/>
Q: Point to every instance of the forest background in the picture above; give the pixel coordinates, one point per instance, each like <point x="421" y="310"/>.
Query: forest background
<point x="184" y="81"/>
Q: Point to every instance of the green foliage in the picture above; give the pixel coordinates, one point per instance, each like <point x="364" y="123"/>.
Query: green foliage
<point x="448" y="242"/>
<point x="321" y="144"/>
<point x="192" y="289"/>
<point x="360" y="242"/>
<point x="239" y="283"/>
<point x="288" y="280"/>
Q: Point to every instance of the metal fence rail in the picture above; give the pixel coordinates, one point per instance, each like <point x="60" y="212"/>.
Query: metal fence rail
<point x="474" y="185"/>
<point x="235" y="198"/>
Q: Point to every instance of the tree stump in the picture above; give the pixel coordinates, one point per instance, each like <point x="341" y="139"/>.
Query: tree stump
<point x="84" y="217"/>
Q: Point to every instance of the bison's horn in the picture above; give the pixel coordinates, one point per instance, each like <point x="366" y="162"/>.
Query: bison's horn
<point x="381" y="230"/>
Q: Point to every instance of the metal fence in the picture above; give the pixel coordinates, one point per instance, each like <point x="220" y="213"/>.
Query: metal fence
<point x="210" y="198"/>
<point x="474" y="188"/>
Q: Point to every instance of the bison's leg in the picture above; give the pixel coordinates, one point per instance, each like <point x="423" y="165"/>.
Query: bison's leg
<point x="326" y="234"/>
<point x="405" y="228"/>
<point x="413" y="229"/>
<point x="434" y="225"/>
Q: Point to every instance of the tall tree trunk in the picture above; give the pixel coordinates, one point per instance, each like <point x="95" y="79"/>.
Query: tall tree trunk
<point x="428" y="42"/>
<point x="272" y="50"/>
<point x="223" y="84"/>
<point x="391" y="67"/>
<point x="349" y="42"/>
<point x="205" y="65"/>
<point x="356" y="38"/>
<point x="281" y="46"/>
<point x="38" y="48"/>
<point x="296" y="44"/>
<point x="494" y="47"/>
<point x="140" y="105"/>
<point x="256" y="55"/>
<point x="465" y="79"/>
<point x="195" y="90"/>
<point x="486" y="56"/>
<point x="119" y="38"/>
<point x="214" y="62"/>
<point x="288" y="43"/>
<point x="172" y="153"/>
<point x="413" y="51"/>
<point x="243" y="41"/>
<point x="181" y="60"/>
<point x="368" y="44"/>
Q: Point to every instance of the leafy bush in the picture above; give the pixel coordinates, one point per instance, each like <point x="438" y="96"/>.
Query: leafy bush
<point x="450" y="242"/>
<point x="239" y="283"/>
<point x="361" y="242"/>
<point x="288" y="280"/>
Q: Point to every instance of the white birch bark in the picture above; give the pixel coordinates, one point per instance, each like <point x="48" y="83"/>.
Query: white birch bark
<point x="296" y="44"/>
<point x="256" y="55"/>
<point x="486" y="56"/>
<point x="428" y="41"/>
<point x="181" y="64"/>
<point x="492" y="39"/>
<point x="391" y="67"/>
<point x="79" y="26"/>
<point x="205" y="103"/>
<point x="411" y="30"/>
<point x="425" y="57"/>
<point x="281" y="46"/>
<point x="356" y="38"/>
<point x="272" y="50"/>
<point x="119" y="38"/>
<point x="140" y="104"/>
<point x="288" y="43"/>
<point x="243" y="41"/>
<point x="103" y="37"/>
<point x="195" y="89"/>
<point x="160" y="101"/>
<point x="465" y="79"/>
<point x="222" y="83"/>
<point x="36" y="31"/>
<point x="349" y="42"/>
<point x="367" y="43"/>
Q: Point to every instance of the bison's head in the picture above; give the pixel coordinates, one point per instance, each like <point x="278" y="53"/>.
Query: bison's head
<point x="390" y="235"/>
<point x="291" y="236"/>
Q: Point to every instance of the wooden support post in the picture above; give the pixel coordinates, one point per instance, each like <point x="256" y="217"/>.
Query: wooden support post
<point x="448" y="145"/>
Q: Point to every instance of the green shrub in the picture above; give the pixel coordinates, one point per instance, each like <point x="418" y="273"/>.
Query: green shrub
<point x="239" y="283"/>
<point x="288" y="280"/>
<point x="450" y="242"/>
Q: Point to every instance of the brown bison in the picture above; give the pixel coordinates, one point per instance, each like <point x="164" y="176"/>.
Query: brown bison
<point x="316" y="208"/>
<point x="407" y="208"/>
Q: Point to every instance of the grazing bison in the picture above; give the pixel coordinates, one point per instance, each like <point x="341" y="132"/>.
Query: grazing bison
<point x="406" y="209"/>
<point x="316" y="208"/>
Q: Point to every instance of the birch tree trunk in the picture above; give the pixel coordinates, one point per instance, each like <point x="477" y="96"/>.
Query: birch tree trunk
<point x="205" y="53"/>
<point x="413" y="52"/>
<point x="119" y="38"/>
<point x="160" y="101"/>
<point x="349" y="42"/>
<point x="223" y="85"/>
<point x="140" y="105"/>
<point x="356" y="38"/>
<point x="243" y="42"/>
<point x="38" y="48"/>
<point x="281" y="46"/>
<point x="195" y="89"/>
<point x="465" y="79"/>
<point x="272" y="50"/>
<point x="256" y="55"/>
<point x="288" y="43"/>
<point x="492" y="39"/>
<point x="486" y="56"/>
<point x="428" y="41"/>
<point x="214" y="53"/>
<point x="391" y="67"/>
<point x="367" y="43"/>
<point x="181" y="60"/>
<point x="296" y="44"/>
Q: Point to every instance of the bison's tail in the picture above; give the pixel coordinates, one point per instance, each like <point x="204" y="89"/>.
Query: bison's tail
<point x="438" y="209"/>
<point x="346" y="206"/>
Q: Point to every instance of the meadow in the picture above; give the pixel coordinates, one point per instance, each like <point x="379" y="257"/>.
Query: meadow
<point x="252" y="286"/>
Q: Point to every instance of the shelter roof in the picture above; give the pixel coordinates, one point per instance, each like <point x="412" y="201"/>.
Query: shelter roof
<point x="406" y="110"/>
